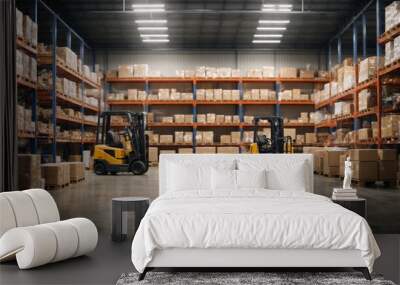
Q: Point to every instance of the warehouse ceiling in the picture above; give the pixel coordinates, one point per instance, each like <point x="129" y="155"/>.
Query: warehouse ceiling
<point x="210" y="24"/>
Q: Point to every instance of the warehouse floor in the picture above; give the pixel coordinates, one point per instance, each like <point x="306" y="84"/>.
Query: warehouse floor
<point x="92" y="199"/>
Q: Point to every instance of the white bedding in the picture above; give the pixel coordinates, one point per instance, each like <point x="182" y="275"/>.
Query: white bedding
<point x="252" y="218"/>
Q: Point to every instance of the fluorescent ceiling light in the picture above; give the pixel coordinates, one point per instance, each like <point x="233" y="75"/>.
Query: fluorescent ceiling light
<point x="149" y="10"/>
<point x="266" y="41"/>
<point x="152" y="28"/>
<point x="154" y="36"/>
<point x="148" y="6"/>
<point x="267" y="36"/>
<point x="151" y="21"/>
<point x="274" y="21"/>
<point x="155" y="40"/>
<point x="271" y="28"/>
<point x="277" y="7"/>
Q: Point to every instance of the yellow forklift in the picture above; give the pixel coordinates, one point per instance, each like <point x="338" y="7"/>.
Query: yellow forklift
<point x="123" y="150"/>
<point x="278" y="143"/>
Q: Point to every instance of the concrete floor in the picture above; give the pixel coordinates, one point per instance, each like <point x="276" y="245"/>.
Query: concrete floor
<point x="92" y="199"/>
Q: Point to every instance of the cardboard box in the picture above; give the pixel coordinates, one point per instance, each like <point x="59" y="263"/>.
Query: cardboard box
<point x="166" y="139"/>
<point x="364" y="134"/>
<point x="363" y="155"/>
<point x="311" y="138"/>
<point x="185" y="150"/>
<point x="289" y="132"/>
<point x="387" y="154"/>
<point x="342" y="159"/>
<point x="55" y="174"/>
<point x="331" y="162"/>
<point x="319" y="161"/>
<point x="387" y="170"/>
<point x="164" y="151"/>
<point x="365" y="170"/>
<point x="19" y="20"/>
<point x="179" y="137"/>
<point x="167" y="120"/>
<point x="226" y="139"/>
<point x="201" y="118"/>
<point x="76" y="171"/>
<point x="227" y="149"/>
<point x="188" y="118"/>
<point x="208" y="137"/>
<point x="29" y="171"/>
<point x="235" y="137"/>
<point x="304" y="73"/>
<point x="153" y="154"/>
<point x="288" y="72"/>
<point x="179" y="118"/>
<point x="125" y="70"/>
<point x="74" y="158"/>
<point x="206" y="149"/>
<point x="211" y="118"/>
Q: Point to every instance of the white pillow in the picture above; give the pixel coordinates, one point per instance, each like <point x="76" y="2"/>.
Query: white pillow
<point x="182" y="177"/>
<point x="251" y="178"/>
<point x="223" y="179"/>
<point x="293" y="179"/>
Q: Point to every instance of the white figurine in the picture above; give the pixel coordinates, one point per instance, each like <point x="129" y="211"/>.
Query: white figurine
<point x="348" y="173"/>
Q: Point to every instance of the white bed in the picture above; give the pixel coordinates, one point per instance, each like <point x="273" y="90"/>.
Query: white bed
<point x="248" y="226"/>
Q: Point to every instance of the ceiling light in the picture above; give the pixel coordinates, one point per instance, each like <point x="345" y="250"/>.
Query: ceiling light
<point x="152" y="28"/>
<point x="266" y="41"/>
<point x="154" y="36"/>
<point x="267" y="36"/>
<point x="271" y="28"/>
<point x="151" y="21"/>
<point x="150" y="10"/>
<point x="274" y="21"/>
<point x="277" y="7"/>
<point x="148" y="6"/>
<point x="155" y="40"/>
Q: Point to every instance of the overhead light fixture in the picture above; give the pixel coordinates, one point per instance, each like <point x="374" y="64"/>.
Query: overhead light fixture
<point x="154" y="36"/>
<point x="271" y="28"/>
<point x="155" y="40"/>
<point x="151" y="21"/>
<point x="266" y="41"/>
<point x="143" y="8"/>
<point x="152" y="28"/>
<point x="277" y="7"/>
<point x="274" y="21"/>
<point x="268" y="36"/>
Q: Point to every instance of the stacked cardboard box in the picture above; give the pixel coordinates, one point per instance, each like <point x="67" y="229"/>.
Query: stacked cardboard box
<point x="69" y="58"/>
<point x="367" y="68"/>
<point x="153" y="154"/>
<point x="364" y="164"/>
<point x="205" y="149"/>
<point x="366" y="99"/>
<point x="311" y="138"/>
<point x="390" y="126"/>
<point x="387" y="165"/>
<point x="29" y="172"/>
<point x="342" y="159"/>
<point x="331" y="162"/>
<point x="227" y="149"/>
<point x="76" y="171"/>
<point x="56" y="174"/>
<point x="392" y="15"/>
<point x="364" y="134"/>
<point x="288" y="72"/>
<point x="185" y="150"/>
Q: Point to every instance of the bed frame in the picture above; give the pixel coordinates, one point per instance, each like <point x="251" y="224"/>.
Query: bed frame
<point x="246" y="259"/>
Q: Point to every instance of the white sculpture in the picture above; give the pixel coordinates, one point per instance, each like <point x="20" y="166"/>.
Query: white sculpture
<point x="348" y="173"/>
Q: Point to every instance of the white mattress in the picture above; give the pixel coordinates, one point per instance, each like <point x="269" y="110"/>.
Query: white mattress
<point x="252" y="219"/>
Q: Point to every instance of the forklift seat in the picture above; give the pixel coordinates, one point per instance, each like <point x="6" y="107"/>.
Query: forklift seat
<point x="113" y="139"/>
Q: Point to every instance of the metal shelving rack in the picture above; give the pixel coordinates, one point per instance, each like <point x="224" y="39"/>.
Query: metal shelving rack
<point x="376" y="82"/>
<point x="52" y="96"/>
<point x="240" y="104"/>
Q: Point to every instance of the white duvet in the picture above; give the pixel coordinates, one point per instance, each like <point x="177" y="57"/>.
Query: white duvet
<point x="250" y="219"/>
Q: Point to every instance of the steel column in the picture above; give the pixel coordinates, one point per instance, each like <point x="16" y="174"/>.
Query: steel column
<point x="356" y="121"/>
<point x="53" y="89"/>
<point x="82" y="57"/>
<point x="378" y="83"/>
<point x="364" y="35"/>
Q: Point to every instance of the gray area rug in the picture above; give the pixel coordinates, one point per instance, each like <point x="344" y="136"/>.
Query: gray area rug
<point x="269" y="278"/>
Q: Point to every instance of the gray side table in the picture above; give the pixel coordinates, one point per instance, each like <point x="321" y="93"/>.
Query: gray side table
<point x="120" y="208"/>
<point x="358" y="205"/>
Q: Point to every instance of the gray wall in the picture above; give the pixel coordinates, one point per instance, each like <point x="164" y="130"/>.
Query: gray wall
<point x="168" y="61"/>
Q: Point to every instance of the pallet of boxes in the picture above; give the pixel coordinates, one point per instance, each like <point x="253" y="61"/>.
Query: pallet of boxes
<point x="371" y="165"/>
<point x="61" y="174"/>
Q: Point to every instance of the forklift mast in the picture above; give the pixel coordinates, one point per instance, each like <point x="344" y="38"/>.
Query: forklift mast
<point x="277" y="135"/>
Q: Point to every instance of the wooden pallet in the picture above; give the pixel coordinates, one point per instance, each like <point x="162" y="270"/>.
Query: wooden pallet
<point x="77" y="180"/>
<point x="55" y="187"/>
<point x="153" y="164"/>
